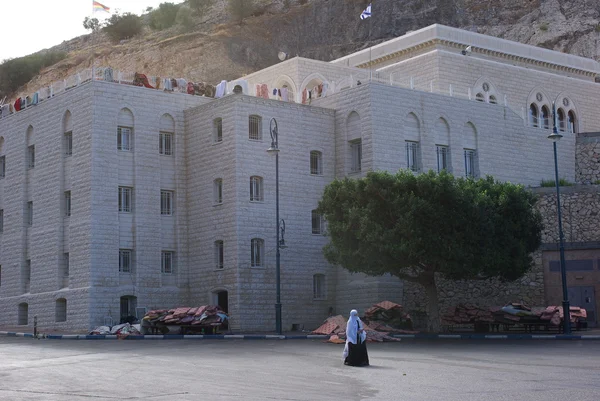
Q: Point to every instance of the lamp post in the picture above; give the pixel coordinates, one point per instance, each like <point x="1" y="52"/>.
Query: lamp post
<point x="555" y="137"/>
<point x="274" y="149"/>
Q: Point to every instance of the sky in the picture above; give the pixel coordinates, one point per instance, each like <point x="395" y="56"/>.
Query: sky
<point x="42" y="24"/>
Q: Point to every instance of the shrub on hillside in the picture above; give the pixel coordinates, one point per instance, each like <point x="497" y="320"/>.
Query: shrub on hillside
<point x="200" y="6"/>
<point x="119" y="27"/>
<point x="16" y="72"/>
<point x="164" y="16"/>
<point x="240" y="9"/>
<point x="185" y="19"/>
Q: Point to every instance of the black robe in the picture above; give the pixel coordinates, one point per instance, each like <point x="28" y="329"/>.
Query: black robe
<point x="357" y="353"/>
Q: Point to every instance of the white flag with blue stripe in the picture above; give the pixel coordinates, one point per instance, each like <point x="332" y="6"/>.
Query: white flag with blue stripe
<point x="367" y="13"/>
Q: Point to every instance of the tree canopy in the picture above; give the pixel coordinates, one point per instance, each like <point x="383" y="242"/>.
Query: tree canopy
<point x="418" y="226"/>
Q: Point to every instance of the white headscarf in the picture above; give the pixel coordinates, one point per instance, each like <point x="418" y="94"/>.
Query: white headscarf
<point x="352" y="331"/>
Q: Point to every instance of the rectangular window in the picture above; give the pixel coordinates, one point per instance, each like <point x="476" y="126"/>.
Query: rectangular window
<point x="317" y="223"/>
<point x="27" y="274"/>
<point x="470" y="163"/>
<point x="1" y="220"/>
<point x="219" y="255"/>
<point x="256" y="252"/>
<point x="316" y="163"/>
<point x="254" y="130"/>
<point x="443" y="155"/>
<point x="67" y="203"/>
<point x="30" y="213"/>
<point x="166" y="265"/>
<point x="31" y="156"/>
<point x="356" y="151"/>
<point x="218" y="130"/>
<point x="125" y="261"/>
<point x="165" y="143"/>
<point x="319" y="286"/>
<point x="69" y="143"/>
<point x="412" y="156"/>
<point x="218" y="191"/>
<point x="124" y="139"/>
<point x="2" y="166"/>
<point x="125" y="199"/>
<point x="66" y="262"/>
<point x="256" y="190"/>
<point x="166" y="202"/>
<point x="0" y="275"/>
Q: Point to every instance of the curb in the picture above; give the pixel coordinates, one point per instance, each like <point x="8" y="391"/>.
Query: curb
<point x="305" y="337"/>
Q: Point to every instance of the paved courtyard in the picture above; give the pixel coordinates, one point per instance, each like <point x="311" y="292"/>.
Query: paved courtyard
<point x="195" y="370"/>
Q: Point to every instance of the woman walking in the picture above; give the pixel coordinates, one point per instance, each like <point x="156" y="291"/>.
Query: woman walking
<point x="355" y="351"/>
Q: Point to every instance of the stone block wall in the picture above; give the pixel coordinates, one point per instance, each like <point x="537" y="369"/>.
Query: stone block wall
<point x="587" y="162"/>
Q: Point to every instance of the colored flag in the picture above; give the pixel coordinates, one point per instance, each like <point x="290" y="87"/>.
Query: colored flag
<point x="367" y="13"/>
<point x="100" y="7"/>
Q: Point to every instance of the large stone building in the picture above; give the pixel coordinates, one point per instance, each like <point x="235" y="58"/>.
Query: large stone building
<point x="115" y="198"/>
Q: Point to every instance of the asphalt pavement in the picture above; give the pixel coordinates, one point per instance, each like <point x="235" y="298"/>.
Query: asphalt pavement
<point x="63" y="370"/>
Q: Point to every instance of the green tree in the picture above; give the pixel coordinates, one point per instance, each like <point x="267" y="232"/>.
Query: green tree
<point x="91" y="24"/>
<point x="184" y="19"/>
<point x="240" y="9"/>
<point x="123" y="26"/>
<point x="200" y="7"/>
<point x="423" y="227"/>
<point x="164" y="16"/>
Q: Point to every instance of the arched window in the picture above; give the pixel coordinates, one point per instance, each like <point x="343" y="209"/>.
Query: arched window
<point x="61" y="310"/>
<point x="561" y="120"/>
<point x="572" y="122"/>
<point x="257" y="252"/>
<point x="316" y="162"/>
<point x="533" y="115"/>
<point x="479" y="97"/>
<point x="545" y="117"/>
<point x="256" y="189"/>
<point x="255" y="127"/>
<point x="493" y="100"/>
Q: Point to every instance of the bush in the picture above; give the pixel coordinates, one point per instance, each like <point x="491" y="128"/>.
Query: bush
<point x="184" y="19"/>
<point x="552" y="183"/>
<point x="16" y="72"/>
<point x="240" y="9"/>
<point x="544" y="27"/>
<point x="200" y="6"/>
<point x="164" y="16"/>
<point x="119" y="27"/>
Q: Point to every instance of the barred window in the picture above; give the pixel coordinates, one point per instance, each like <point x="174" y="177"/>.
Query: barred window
<point x="470" y="163"/>
<point x="124" y="139"/>
<point x="319" y="290"/>
<point x="219" y="255"/>
<point x="412" y="156"/>
<point x="125" y="261"/>
<point x="68" y="143"/>
<point x="125" y="199"/>
<point x="257" y="249"/>
<point x="31" y="156"/>
<point x="218" y="130"/>
<point x="165" y="143"/>
<point x="356" y="153"/>
<point x="166" y="202"/>
<point x="167" y="261"/>
<point x="255" y="127"/>
<point x="30" y="213"/>
<point x="218" y="191"/>
<point x="67" y="203"/>
<point x="316" y="162"/>
<point x="317" y="222"/>
<point x="443" y="157"/>
<point x="256" y="189"/>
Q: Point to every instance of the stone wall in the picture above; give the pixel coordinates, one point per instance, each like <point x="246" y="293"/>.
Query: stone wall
<point x="587" y="162"/>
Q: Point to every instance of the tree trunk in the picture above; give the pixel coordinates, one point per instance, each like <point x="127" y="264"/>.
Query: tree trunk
<point x="433" y="307"/>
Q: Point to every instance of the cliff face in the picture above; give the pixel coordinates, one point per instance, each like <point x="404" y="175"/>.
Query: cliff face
<point x="217" y="48"/>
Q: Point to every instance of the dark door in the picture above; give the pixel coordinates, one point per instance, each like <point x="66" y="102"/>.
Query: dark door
<point x="223" y="301"/>
<point x="585" y="297"/>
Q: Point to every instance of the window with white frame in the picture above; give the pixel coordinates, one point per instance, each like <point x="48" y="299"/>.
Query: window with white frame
<point x="319" y="289"/>
<point x="125" y="260"/>
<point x="218" y="130"/>
<point x="66" y="264"/>
<point x="256" y="189"/>
<point x="30" y="213"/>
<point x="1" y="220"/>
<point x="167" y="262"/>
<point x="317" y="222"/>
<point x="166" y="202"/>
<point x="257" y="251"/>
<point x="31" y="156"/>
<point x="255" y="128"/>
<point x="68" y="139"/>
<point x="316" y="163"/>
<point x="470" y="163"/>
<point x="67" y="203"/>
<point x="2" y="166"/>
<point x="533" y="115"/>
<point x="219" y="254"/>
<point x="443" y="158"/>
<point x="412" y="156"/>
<point x="218" y="191"/>
<point x="125" y="199"/>
<point x="356" y="154"/>
<point x="165" y="143"/>
<point x="124" y="139"/>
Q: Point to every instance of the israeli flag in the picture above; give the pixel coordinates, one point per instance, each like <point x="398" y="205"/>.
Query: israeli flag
<point x="367" y="13"/>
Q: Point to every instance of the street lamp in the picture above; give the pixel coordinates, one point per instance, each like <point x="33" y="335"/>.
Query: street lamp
<point x="274" y="149"/>
<point x="555" y="137"/>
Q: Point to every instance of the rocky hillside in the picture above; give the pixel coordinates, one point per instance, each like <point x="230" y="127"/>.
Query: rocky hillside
<point x="218" y="48"/>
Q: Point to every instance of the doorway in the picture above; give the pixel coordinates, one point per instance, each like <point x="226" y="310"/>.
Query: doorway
<point x="221" y="298"/>
<point x="585" y="298"/>
<point x="128" y="305"/>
